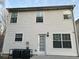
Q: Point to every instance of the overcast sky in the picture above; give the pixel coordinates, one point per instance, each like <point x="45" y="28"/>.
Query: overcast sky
<point x="30" y="3"/>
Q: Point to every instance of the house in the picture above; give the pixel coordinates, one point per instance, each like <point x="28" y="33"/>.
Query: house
<point x="77" y="28"/>
<point x="47" y="30"/>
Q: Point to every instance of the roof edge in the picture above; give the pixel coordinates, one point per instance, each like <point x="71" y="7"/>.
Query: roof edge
<point x="41" y="8"/>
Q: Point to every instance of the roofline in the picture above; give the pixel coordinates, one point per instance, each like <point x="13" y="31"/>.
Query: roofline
<point x="41" y="8"/>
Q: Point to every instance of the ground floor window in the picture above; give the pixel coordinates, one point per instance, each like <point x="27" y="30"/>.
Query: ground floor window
<point x="61" y="41"/>
<point x="18" y="37"/>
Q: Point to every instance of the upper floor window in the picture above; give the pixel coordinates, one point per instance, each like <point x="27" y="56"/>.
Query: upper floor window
<point x="13" y="17"/>
<point x="39" y="17"/>
<point x="67" y="16"/>
<point x="61" y="41"/>
<point x="18" y="37"/>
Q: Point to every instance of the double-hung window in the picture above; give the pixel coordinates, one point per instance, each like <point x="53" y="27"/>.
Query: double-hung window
<point x="13" y="17"/>
<point x="18" y="37"/>
<point x="57" y="40"/>
<point x="66" y="40"/>
<point x="61" y="41"/>
<point x="39" y="17"/>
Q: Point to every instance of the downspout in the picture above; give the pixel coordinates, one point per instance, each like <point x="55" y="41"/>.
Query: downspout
<point x="75" y="31"/>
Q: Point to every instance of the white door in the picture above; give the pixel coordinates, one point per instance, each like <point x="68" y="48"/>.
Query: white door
<point x="42" y="44"/>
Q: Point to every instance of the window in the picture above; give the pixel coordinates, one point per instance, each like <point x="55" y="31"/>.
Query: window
<point x="66" y="40"/>
<point x="57" y="40"/>
<point x="39" y="17"/>
<point x="18" y="37"/>
<point x="13" y="17"/>
<point x="61" y="41"/>
<point x="67" y="16"/>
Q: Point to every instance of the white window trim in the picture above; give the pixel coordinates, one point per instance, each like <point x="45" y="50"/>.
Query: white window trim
<point x="62" y="40"/>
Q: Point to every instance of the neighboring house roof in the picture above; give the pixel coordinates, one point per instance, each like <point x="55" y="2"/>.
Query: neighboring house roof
<point x="77" y="21"/>
<point x="41" y="8"/>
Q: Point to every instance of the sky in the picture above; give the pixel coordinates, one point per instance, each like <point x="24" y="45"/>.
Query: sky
<point x="35" y="3"/>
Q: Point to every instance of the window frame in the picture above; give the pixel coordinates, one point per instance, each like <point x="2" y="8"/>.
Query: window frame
<point x="57" y="41"/>
<point x="62" y="46"/>
<point x="66" y="40"/>
<point x="13" y="18"/>
<point x="39" y="17"/>
<point x="17" y="38"/>
<point x="67" y="16"/>
<point x="39" y="21"/>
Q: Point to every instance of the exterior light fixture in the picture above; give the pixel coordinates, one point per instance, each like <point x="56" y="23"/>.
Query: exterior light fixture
<point x="47" y="34"/>
<point x="27" y="44"/>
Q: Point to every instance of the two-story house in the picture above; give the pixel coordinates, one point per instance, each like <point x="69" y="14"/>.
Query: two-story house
<point x="47" y="30"/>
<point x="77" y="27"/>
